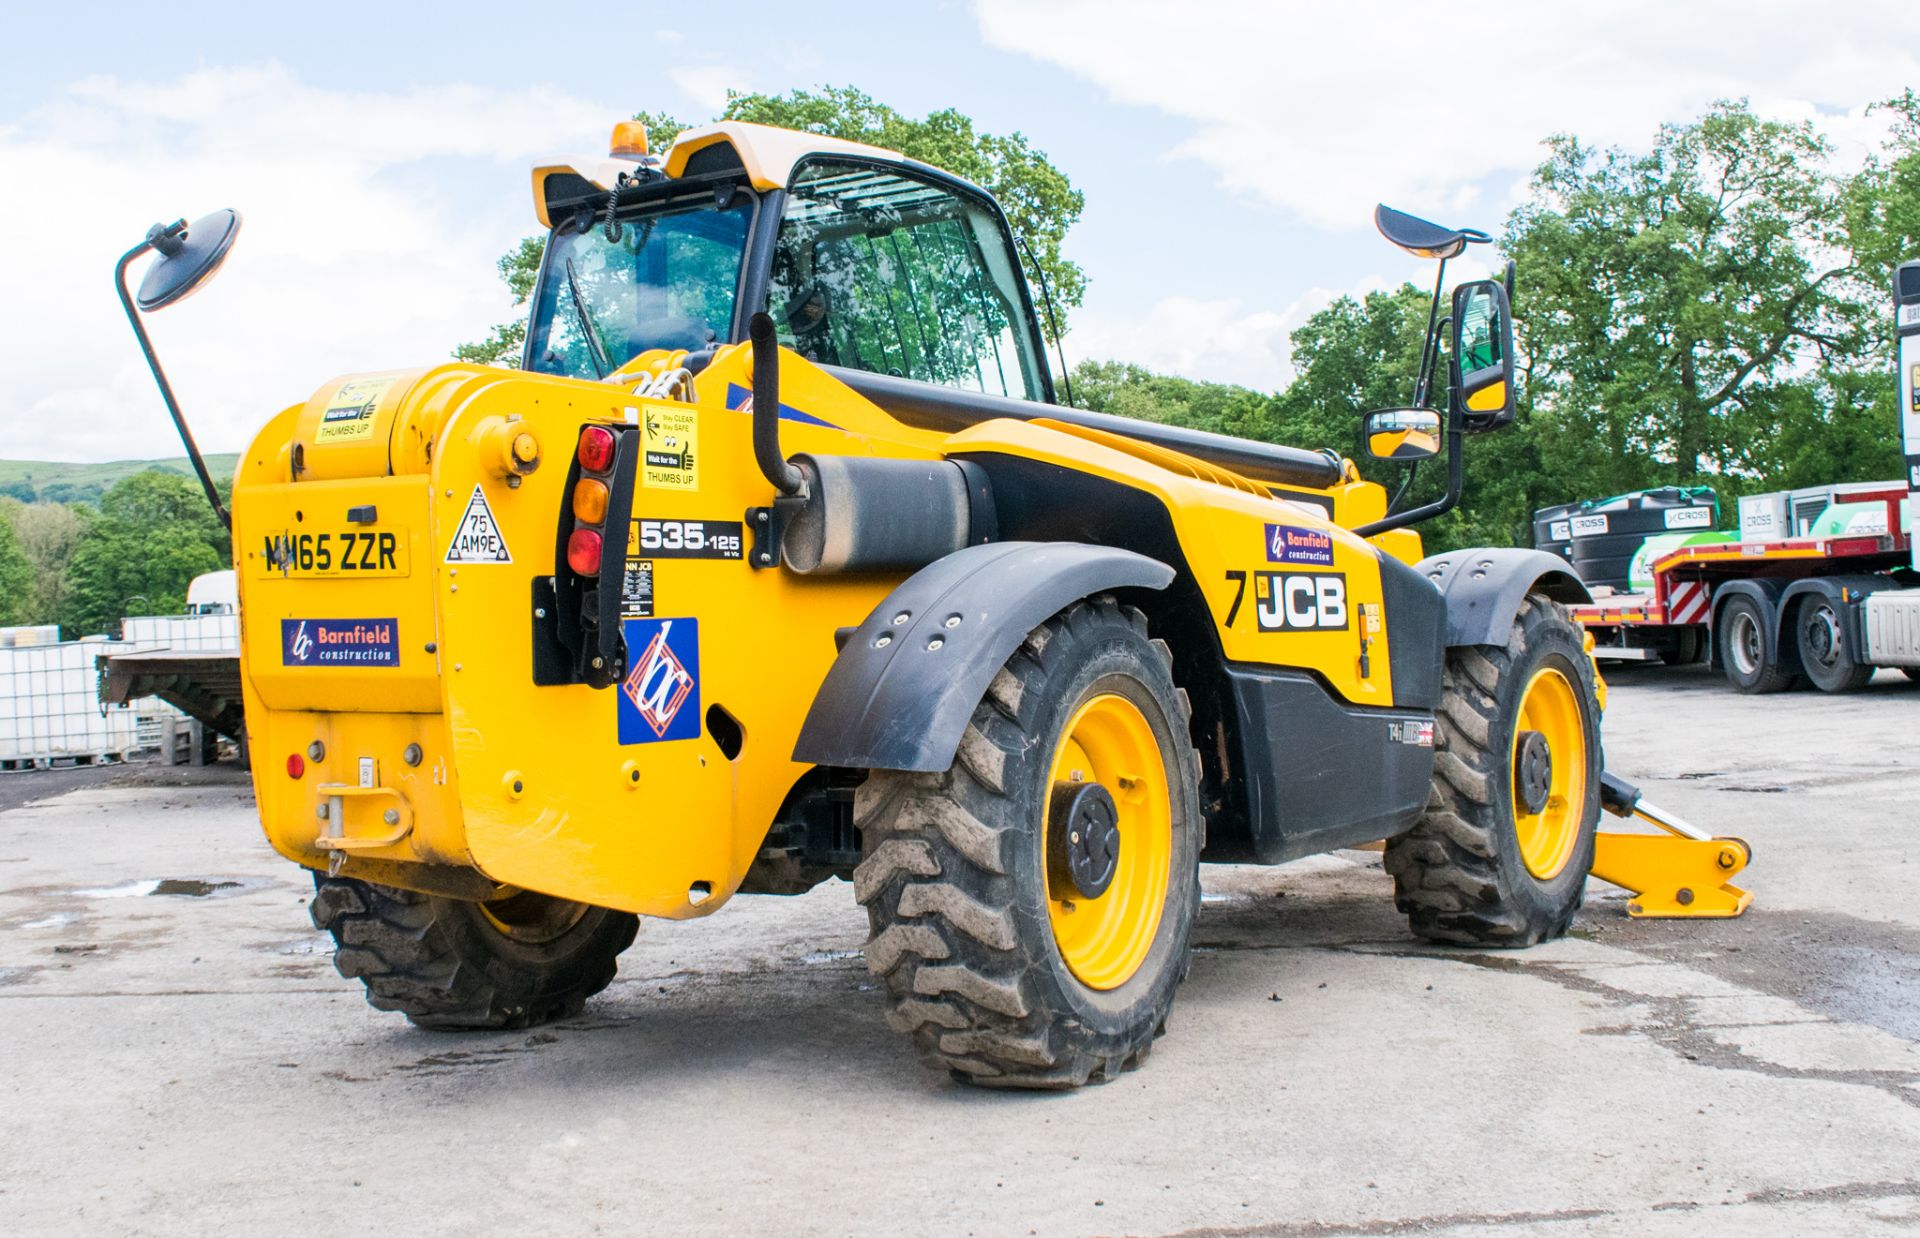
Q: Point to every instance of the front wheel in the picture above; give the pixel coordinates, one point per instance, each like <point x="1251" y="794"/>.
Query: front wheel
<point x="1032" y="906"/>
<point x="1500" y="857"/>
<point x="448" y="964"/>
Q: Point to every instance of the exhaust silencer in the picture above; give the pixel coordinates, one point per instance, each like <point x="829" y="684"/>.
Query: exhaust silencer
<point x="864" y="514"/>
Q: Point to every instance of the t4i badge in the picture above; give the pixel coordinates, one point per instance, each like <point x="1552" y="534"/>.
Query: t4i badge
<point x="660" y="697"/>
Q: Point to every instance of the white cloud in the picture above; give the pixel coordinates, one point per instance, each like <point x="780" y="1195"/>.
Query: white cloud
<point x="373" y="220"/>
<point x="1227" y="340"/>
<point x="707" y="85"/>
<point x="1323" y="110"/>
<point x="1221" y="340"/>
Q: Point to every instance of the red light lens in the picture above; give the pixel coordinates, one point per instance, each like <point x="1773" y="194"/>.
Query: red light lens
<point x="296" y="765"/>
<point x="596" y="449"/>
<point x="583" y="552"/>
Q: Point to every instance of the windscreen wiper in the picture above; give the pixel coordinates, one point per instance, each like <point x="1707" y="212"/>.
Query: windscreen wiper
<point x="601" y="365"/>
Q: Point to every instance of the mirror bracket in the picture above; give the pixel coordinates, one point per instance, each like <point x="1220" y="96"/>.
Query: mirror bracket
<point x="188" y="256"/>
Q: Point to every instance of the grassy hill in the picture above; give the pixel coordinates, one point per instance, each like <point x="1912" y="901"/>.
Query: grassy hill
<point x="62" y="482"/>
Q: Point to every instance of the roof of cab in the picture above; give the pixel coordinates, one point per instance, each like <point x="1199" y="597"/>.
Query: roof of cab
<point x="768" y="155"/>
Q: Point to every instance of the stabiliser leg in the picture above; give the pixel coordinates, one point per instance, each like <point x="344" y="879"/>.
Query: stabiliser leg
<point x="1682" y="871"/>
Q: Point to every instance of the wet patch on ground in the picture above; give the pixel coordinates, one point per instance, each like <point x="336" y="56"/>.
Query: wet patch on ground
<point x="1840" y="966"/>
<point x="152" y="887"/>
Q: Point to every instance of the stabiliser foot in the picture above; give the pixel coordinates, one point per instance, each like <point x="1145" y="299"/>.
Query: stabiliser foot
<point x="1682" y="871"/>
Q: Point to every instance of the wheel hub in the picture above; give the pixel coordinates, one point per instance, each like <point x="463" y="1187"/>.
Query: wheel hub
<point x="1823" y="636"/>
<point x="1083" y="833"/>
<point x="1532" y="772"/>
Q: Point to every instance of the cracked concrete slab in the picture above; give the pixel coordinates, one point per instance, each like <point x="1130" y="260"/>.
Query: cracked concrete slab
<point x="188" y="1060"/>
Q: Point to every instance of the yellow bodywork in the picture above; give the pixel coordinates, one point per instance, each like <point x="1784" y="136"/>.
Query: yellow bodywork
<point x="520" y="786"/>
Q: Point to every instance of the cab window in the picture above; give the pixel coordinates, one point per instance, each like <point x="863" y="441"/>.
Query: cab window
<point x="881" y="271"/>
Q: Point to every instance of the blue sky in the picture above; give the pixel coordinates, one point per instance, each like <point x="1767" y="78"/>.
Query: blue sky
<point x="1229" y="153"/>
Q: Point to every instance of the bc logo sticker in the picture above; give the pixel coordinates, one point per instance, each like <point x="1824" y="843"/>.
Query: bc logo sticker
<point x="1308" y="547"/>
<point x="349" y="415"/>
<point x="339" y="642"/>
<point x="660" y="697"/>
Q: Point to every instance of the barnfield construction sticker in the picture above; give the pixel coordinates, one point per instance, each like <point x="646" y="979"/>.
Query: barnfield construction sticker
<point x="478" y="539"/>
<point x="669" y="436"/>
<point x="349" y="415"/>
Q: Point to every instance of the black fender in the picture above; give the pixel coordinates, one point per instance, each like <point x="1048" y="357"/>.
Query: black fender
<point x="906" y="682"/>
<point x="1484" y="587"/>
<point x="1767" y="593"/>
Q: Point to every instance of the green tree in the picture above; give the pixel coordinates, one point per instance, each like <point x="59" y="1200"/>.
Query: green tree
<point x="154" y="534"/>
<point x="1127" y="390"/>
<point x="48" y="534"/>
<point x="16" y="575"/>
<point x="1673" y="304"/>
<point x="1041" y="204"/>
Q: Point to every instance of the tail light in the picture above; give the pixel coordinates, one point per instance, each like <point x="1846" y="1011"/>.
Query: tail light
<point x="589" y="501"/>
<point x="596" y="449"/>
<point x="583" y="552"/>
<point x="581" y="640"/>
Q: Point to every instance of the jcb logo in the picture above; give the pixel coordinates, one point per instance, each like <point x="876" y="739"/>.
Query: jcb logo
<point x="1300" y="601"/>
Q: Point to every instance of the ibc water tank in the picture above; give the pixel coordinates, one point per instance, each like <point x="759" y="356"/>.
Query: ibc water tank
<point x="1609" y="532"/>
<point x="1551" y="531"/>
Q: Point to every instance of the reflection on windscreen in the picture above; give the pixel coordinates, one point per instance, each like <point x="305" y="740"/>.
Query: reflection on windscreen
<point x="883" y="272"/>
<point x="668" y="281"/>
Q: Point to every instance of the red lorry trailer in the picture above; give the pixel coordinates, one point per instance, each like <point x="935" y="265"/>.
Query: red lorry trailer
<point x="1787" y="602"/>
<point x="1828" y="609"/>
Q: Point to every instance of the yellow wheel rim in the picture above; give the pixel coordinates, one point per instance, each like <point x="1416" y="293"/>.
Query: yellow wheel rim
<point x="532" y="919"/>
<point x="1551" y="707"/>
<point x="1104" y="940"/>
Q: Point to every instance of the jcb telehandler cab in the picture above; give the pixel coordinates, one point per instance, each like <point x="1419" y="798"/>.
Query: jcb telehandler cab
<point x="779" y="561"/>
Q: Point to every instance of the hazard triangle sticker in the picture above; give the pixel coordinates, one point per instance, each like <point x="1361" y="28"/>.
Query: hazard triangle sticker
<point x="478" y="539"/>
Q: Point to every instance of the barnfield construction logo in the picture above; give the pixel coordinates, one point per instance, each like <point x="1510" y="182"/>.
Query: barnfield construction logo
<point x="339" y="642"/>
<point x="1287" y="544"/>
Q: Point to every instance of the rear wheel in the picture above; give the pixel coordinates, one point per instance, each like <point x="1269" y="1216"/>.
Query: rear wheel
<point x="1825" y="649"/>
<point x="1685" y="649"/>
<point x="1741" y="642"/>
<point x="447" y="963"/>
<point x="1500" y="857"/>
<point x="1032" y="907"/>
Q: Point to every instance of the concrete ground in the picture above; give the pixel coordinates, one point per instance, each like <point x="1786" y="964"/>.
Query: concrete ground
<point x="183" y="1059"/>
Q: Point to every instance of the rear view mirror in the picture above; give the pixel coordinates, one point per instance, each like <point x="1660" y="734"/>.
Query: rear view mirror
<point x="1482" y="355"/>
<point x="188" y="258"/>
<point x="1403" y="434"/>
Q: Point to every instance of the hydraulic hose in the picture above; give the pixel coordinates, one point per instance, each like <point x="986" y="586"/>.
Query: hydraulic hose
<point x="766" y="407"/>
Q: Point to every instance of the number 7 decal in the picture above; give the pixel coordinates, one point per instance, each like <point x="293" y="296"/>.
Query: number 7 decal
<point x="1239" y="595"/>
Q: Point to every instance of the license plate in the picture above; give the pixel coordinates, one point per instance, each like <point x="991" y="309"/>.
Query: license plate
<point x="343" y="552"/>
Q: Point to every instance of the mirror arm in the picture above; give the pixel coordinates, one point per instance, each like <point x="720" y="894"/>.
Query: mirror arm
<point x="1430" y="347"/>
<point x="156" y="239"/>
<point x="1406" y="484"/>
<point x="1456" y="482"/>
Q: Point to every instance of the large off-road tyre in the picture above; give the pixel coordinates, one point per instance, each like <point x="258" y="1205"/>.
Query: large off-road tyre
<point x="450" y="964"/>
<point x="1826" y="650"/>
<point x="996" y="959"/>
<point x="1740" y="646"/>
<point x="1500" y="857"/>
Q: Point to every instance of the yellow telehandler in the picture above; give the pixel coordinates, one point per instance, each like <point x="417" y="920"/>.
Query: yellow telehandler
<point x="778" y="561"/>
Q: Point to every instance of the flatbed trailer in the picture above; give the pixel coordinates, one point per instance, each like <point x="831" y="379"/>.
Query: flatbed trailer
<point x="1829" y="610"/>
